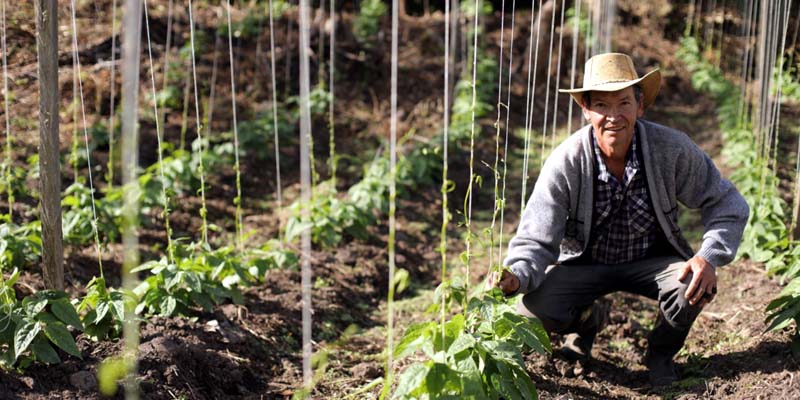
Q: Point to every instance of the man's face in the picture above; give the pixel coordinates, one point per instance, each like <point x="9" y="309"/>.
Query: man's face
<point x="613" y="116"/>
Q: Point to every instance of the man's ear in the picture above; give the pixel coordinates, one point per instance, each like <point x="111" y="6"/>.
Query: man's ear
<point x="585" y="109"/>
<point x="641" y="109"/>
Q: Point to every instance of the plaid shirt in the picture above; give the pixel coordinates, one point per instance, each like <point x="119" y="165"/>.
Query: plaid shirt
<point x="624" y="226"/>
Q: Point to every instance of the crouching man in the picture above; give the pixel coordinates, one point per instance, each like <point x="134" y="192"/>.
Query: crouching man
<point x="603" y="218"/>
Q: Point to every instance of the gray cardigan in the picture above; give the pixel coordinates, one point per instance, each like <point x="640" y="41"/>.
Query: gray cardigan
<point x="556" y="225"/>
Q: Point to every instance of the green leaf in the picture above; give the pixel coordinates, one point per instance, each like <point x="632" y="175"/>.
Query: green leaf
<point x="24" y="335"/>
<point x="505" y="382"/>
<point x="463" y="342"/>
<point x="34" y="305"/>
<point x="119" y="308"/>
<point x="504" y="352"/>
<point x="437" y="378"/>
<point x="525" y="385"/>
<point x="98" y="331"/>
<point x="194" y="282"/>
<point x="58" y="334"/>
<point x="202" y="299"/>
<point x="411" y="380"/>
<point x="167" y="306"/>
<point x="101" y="310"/>
<point x="416" y="335"/>
<point x="471" y="378"/>
<point x="65" y="311"/>
<point x="401" y="280"/>
<point x="44" y="352"/>
<point x="784" y="317"/>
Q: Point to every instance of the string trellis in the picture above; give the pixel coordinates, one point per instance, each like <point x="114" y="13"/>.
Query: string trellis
<point x="238" y="200"/>
<point x="200" y="144"/>
<point x="159" y="135"/>
<point x="9" y="161"/>
<point x="274" y="107"/>
<point x="77" y="65"/>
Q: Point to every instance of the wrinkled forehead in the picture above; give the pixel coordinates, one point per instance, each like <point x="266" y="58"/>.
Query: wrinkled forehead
<point x="618" y="95"/>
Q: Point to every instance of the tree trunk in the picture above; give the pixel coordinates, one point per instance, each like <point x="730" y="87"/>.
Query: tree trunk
<point x="49" y="164"/>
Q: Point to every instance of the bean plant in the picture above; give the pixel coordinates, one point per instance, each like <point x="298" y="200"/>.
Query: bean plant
<point x="29" y="328"/>
<point x="477" y="354"/>
<point x="20" y="245"/>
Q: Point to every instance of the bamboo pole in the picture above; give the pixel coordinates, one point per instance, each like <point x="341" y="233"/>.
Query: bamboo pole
<point x="129" y="140"/>
<point x="306" y="173"/>
<point x="49" y="164"/>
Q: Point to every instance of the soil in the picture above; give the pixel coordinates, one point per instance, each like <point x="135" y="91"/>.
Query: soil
<point x="252" y="350"/>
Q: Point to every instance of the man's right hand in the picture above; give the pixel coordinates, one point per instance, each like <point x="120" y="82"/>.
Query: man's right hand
<point x="507" y="282"/>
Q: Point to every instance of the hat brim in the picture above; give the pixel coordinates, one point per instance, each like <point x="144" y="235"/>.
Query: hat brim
<point x="650" y="85"/>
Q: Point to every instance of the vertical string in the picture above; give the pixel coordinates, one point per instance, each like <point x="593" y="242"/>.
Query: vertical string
<point x="445" y="183"/>
<point x="794" y="41"/>
<point x="747" y="32"/>
<point x="73" y="156"/>
<point x="86" y="137"/>
<point x="575" y="34"/>
<point x="505" y="142"/>
<point x="275" y="125"/>
<point x="185" y="113"/>
<point x="471" y="151"/>
<point x="547" y="90"/>
<point x="113" y="84"/>
<point x="9" y="160"/>
<point x="589" y="45"/>
<point x="500" y="106"/>
<point x="167" y="51"/>
<point x="558" y="77"/>
<point x="164" y="194"/>
<point x="529" y="103"/>
<point x="212" y="95"/>
<point x="392" y="203"/>
<point x="236" y="166"/>
<point x="305" y="181"/>
<point x="776" y="115"/>
<point x="201" y="146"/>
<point x="331" y="119"/>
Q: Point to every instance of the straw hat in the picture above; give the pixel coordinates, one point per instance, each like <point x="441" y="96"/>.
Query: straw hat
<point x="610" y="72"/>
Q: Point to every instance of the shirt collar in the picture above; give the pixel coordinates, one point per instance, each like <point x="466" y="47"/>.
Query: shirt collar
<point x="631" y="160"/>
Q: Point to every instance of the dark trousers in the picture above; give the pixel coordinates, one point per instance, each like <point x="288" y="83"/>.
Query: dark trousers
<point x="563" y="301"/>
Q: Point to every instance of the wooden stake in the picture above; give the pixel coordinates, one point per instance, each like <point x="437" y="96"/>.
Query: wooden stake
<point x="49" y="164"/>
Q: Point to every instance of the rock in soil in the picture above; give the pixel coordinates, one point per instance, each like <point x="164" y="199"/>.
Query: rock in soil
<point x="366" y="370"/>
<point x="84" y="381"/>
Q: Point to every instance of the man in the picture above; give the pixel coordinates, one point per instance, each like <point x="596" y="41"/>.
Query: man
<point x="603" y="218"/>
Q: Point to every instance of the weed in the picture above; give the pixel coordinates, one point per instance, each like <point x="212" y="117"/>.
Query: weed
<point x="20" y="245"/>
<point x="368" y="22"/>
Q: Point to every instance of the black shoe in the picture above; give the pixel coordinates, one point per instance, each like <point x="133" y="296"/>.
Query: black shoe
<point x="663" y="371"/>
<point x="578" y="346"/>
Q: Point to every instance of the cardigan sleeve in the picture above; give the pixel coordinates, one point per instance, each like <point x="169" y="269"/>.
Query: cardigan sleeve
<point x="541" y="229"/>
<point x="723" y="210"/>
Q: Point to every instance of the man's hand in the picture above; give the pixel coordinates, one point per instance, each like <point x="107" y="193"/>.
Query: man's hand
<point x="703" y="286"/>
<point x="507" y="282"/>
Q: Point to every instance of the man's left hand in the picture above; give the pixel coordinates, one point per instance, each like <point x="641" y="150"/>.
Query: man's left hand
<point x="703" y="286"/>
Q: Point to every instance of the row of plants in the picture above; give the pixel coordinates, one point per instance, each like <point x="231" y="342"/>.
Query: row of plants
<point x="766" y="238"/>
<point x="198" y="279"/>
<point x="193" y="277"/>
